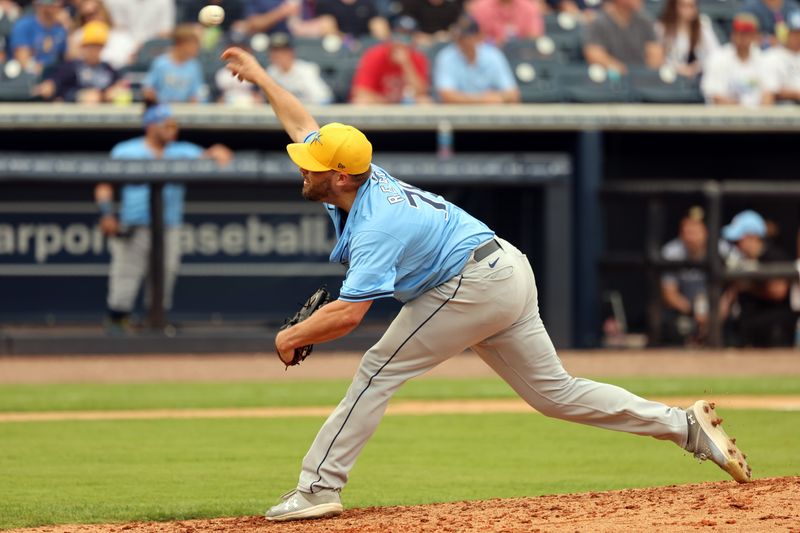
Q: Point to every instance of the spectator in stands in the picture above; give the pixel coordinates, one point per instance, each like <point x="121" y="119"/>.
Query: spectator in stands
<point x="433" y="17"/>
<point x="129" y="231"/>
<point x="684" y="291"/>
<point x="502" y="20"/>
<point x="177" y="76"/>
<point x="120" y="46"/>
<point x="143" y="20"/>
<point x="470" y="71"/>
<point x="783" y="65"/>
<point x="9" y="13"/>
<point x="234" y="92"/>
<point x="356" y="18"/>
<point x="39" y="40"/>
<point x="736" y="74"/>
<point x="394" y="71"/>
<point x="622" y="36"/>
<point x="766" y="317"/>
<point x="267" y="16"/>
<point x="87" y="79"/>
<point x="301" y="78"/>
<point x="686" y="35"/>
<point x="772" y="16"/>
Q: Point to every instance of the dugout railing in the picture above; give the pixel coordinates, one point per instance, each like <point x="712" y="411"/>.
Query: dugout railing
<point x="713" y="193"/>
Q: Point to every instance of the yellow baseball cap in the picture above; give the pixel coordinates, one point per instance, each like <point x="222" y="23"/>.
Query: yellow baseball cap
<point x="334" y="147"/>
<point x="95" y="32"/>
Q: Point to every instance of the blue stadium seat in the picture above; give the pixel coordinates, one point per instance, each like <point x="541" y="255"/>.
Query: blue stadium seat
<point x="720" y="10"/>
<point x="537" y="84"/>
<point x="148" y="52"/>
<point x="532" y="50"/>
<point x="652" y="86"/>
<point x="432" y="50"/>
<point x="16" y="89"/>
<point x="566" y="32"/>
<point x="339" y="77"/>
<point x="579" y="87"/>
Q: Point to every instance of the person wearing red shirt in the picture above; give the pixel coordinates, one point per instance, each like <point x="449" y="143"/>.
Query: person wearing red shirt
<point x="394" y="71"/>
<point x="502" y="20"/>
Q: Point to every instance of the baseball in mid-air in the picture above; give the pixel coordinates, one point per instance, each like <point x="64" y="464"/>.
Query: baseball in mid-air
<point x="211" y="15"/>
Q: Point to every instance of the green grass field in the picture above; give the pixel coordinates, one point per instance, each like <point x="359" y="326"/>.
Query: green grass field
<point x="106" y="471"/>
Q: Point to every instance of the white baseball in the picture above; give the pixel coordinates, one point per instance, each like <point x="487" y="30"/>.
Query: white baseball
<point x="211" y="15"/>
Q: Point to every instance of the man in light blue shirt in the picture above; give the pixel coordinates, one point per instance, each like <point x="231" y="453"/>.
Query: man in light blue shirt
<point x="462" y="287"/>
<point x="38" y="40"/>
<point x="177" y="75"/>
<point x="470" y="71"/>
<point x="129" y="228"/>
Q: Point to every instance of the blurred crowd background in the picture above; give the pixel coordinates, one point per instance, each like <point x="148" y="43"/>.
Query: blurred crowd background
<point x="406" y="51"/>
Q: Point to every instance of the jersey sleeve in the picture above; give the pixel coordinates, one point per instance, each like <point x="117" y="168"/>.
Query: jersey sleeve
<point x="373" y="267"/>
<point x="21" y="35"/>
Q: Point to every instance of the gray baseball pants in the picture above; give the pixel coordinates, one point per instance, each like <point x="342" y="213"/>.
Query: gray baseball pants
<point x="130" y="264"/>
<point x="492" y="308"/>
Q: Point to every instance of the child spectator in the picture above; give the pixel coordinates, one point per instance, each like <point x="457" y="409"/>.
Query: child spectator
<point x="687" y="37"/>
<point x="621" y="36"/>
<point x="502" y="20"/>
<point x="177" y="75"/>
<point x="783" y="65"/>
<point x="301" y="78"/>
<point x="736" y="73"/>
<point x="433" y="17"/>
<point x="39" y="40"/>
<point x="87" y="79"/>
<point x="766" y="317"/>
<point x="120" y="46"/>
<point x="394" y="71"/>
<point x="470" y="71"/>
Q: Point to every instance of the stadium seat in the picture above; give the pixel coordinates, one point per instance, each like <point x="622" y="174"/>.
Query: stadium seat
<point x="432" y="50"/>
<point x="580" y="86"/>
<point x="565" y="31"/>
<point x="720" y="10"/>
<point x="537" y="85"/>
<point x="16" y="89"/>
<point x="654" y="8"/>
<point x="653" y="86"/>
<point x="339" y="77"/>
<point x="148" y="52"/>
<point x="542" y="49"/>
<point x="314" y="50"/>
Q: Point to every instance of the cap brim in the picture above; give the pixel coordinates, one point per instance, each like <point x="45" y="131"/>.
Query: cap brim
<point x="298" y="152"/>
<point x="731" y="233"/>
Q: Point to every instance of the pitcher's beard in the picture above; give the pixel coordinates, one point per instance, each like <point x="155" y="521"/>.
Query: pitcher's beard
<point x="316" y="192"/>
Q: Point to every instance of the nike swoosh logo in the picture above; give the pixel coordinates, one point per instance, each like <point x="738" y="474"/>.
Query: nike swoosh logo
<point x="493" y="263"/>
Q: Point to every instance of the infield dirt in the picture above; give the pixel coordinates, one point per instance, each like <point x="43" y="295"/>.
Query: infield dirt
<point x="764" y="505"/>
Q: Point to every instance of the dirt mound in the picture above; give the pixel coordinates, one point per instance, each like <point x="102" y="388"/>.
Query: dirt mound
<point x="764" y="505"/>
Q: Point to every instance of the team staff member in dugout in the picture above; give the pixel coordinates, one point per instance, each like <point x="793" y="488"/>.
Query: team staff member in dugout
<point x="129" y="231"/>
<point x="462" y="287"/>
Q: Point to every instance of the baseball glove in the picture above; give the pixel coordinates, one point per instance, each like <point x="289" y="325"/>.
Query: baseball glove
<point x="320" y="297"/>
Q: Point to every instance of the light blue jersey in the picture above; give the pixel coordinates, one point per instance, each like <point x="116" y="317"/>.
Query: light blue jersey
<point x="135" y="199"/>
<point x="400" y="241"/>
<point x="176" y="82"/>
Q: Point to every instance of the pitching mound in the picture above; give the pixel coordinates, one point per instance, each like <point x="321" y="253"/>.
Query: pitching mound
<point x="764" y="505"/>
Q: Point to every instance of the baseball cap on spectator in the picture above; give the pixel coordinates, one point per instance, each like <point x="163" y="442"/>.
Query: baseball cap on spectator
<point x="745" y="23"/>
<point x="465" y="26"/>
<point x="280" y="41"/>
<point x="156" y="114"/>
<point x="403" y="28"/>
<point x="95" y="32"/>
<point x="745" y="223"/>
<point x="334" y="147"/>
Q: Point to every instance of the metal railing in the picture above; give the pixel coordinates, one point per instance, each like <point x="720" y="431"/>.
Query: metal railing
<point x="713" y="193"/>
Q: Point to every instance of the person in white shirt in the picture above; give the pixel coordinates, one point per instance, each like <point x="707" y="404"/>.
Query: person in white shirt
<point x="144" y="20"/>
<point x="687" y="36"/>
<point x="301" y="78"/>
<point x="783" y="64"/>
<point x="736" y="73"/>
